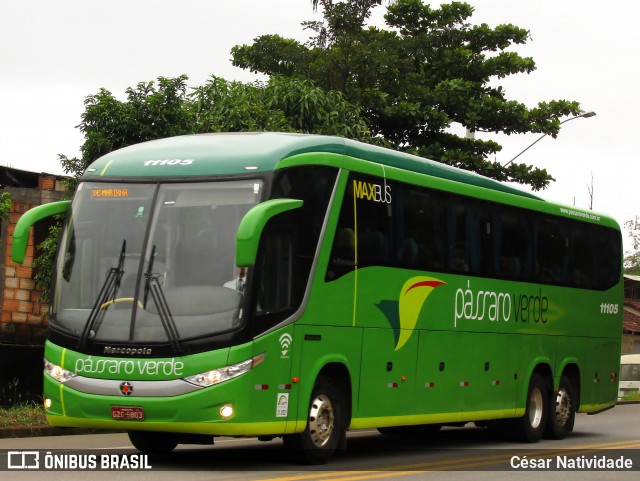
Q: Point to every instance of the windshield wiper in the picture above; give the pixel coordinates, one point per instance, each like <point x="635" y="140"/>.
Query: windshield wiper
<point x="157" y="294"/>
<point x="147" y="276"/>
<point x="109" y="289"/>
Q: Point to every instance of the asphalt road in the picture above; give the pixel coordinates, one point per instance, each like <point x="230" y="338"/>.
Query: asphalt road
<point x="459" y="454"/>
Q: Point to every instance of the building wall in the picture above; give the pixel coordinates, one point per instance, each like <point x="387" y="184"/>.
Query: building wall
<point x="630" y="343"/>
<point x="22" y="316"/>
<point x="631" y="322"/>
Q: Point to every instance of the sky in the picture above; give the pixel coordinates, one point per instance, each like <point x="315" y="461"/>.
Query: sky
<point x="53" y="54"/>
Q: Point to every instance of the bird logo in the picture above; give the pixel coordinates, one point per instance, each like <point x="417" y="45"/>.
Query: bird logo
<point x="285" y="343"/>
<point x="403" y="314"/>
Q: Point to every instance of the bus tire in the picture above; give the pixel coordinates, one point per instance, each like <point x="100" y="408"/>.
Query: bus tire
<point x="325" y="431"/>
<point x="562" y="414"/>
<point x="530" y="427"/>
<point x="150" y="442"/>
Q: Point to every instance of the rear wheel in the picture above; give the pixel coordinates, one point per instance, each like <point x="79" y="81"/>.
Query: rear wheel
<point x="563" y="410"/>
<point x="325" y="430"/>
<point x="530" y="427"/>
<point x="152" y="442"/>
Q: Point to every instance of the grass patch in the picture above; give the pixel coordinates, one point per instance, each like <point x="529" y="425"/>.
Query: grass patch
<point x="25" y="415"/>
<point x="632" y="396"/>
<point x="16" y="410"/>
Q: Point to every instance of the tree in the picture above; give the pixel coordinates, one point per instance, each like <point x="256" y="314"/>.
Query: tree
<point x="165" y="108"/>
<point x="5" y="205"/>
<point x="632" y="258"/>
<point x="429" y="70"/>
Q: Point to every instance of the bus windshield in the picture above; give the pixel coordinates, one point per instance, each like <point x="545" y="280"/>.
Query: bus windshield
<point x="151" y="263"/>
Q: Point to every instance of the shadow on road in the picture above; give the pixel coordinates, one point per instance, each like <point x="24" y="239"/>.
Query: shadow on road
<point x="363" y="448"/>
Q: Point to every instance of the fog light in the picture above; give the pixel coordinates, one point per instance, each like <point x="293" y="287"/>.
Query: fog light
<point x="226" y="411"/>
<point x="47" y="403"/>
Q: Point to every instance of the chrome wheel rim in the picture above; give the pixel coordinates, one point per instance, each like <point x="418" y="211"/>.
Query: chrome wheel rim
<point x="536" y="407"/>
<point x="563" y="407"/>
<point x="321" y="420"/>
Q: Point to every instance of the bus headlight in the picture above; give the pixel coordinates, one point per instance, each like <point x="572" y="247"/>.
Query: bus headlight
<point x="57" y="373"/>
<point x="216" y="376"/>
<point x="226" y="411"/>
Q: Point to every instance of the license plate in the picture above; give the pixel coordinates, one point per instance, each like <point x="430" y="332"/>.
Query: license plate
<point x="127" y="413"/>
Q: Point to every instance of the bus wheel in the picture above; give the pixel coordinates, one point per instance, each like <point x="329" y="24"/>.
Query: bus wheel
<point x="563" y="410"/>
<point x="530" y="427"/>
<point x="325" y="430"/>
<point x="152" y="442"/>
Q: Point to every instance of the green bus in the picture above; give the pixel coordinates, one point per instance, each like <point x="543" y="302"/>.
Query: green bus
<point x="298" y="286"/>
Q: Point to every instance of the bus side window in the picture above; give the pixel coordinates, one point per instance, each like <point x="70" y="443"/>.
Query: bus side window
<point x="552" y="252"/>
<point x="511" y="252"/>
<point x="583" y="258"/>
<point x="468" y="234"/>
<point x="276" y="291"/>
<point x="439" y="231"/>
<point x="607" y="263"/>
<point x="370" y="234"/>
<point x="342" y="258"/>
<point x="289" y="242"/>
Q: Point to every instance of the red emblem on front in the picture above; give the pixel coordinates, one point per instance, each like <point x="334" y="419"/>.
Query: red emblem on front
<point x="126" y="388"/>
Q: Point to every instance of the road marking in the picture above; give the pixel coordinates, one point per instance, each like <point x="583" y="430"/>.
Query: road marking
<point x="457" y="464"/>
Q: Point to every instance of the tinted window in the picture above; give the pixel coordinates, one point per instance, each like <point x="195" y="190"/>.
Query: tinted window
<point x="289" y="242"/>
<point x="390" y="223"/>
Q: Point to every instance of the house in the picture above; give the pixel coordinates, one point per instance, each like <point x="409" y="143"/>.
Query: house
<point x="631" y="321"/>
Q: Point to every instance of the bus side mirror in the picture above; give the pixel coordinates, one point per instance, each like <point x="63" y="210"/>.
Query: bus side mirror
<point x="252" y="225"/>
<point x="21" y="232"/>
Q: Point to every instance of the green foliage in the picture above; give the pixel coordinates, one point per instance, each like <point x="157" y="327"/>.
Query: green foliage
<point x="632" y="258"/>
<point x="5" y="205"/>
<point x="281" y="104"/>
<point x="431" y="69"/>
<point x="163" y="109"/>
<point x="631" y="396"/>
<point x="43" y="262"/>
<point x="22" y="415"/>
<point x="151" y="111"/>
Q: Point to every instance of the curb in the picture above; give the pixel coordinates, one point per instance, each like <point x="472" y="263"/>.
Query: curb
<point x="41" y="431"/>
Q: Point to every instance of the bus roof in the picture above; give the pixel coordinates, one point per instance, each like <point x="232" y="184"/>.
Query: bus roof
<point x="240" y="153"/>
